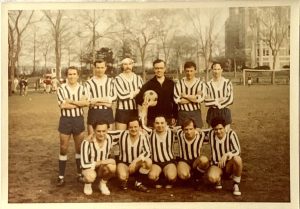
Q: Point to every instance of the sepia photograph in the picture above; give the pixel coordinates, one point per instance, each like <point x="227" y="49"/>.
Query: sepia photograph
<point x="150" y="104"/>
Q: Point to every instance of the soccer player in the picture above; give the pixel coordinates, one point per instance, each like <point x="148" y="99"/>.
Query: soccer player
<point x="164" y="87"/>
<point x="134" y="155"/>
<point x="127" y="85"/>
<point x="71" y="100"/>
<point x="219" y="96"/>
<point x="189" y="92"/>
<point x="101" y="95"/>
<point x="163" y="159"/>
<point x="95" y="159"/>
<point x="226" y="155"/>
<point x="191" y="162"/>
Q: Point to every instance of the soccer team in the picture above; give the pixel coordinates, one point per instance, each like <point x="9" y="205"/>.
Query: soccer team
<point x="139" y="141"/>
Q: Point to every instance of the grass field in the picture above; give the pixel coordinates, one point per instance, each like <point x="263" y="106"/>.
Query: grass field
<point x="260" y="118"/>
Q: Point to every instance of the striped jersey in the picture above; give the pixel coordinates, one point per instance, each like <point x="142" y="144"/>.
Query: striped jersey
<point x="130" y="151"/>
<point x="65" y="92"/>
<point x="222" y="93"/>
<point x="196" y="88"/>
<point x="230" y="143"/>
<point x="91" y="152"/>
<point x="99" y="88"/>
<point x="189" y="150"/>
<point x="162" y="146"/>
<point x="124" y="89"/>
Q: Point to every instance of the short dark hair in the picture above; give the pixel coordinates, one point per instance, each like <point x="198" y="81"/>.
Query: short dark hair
<point x="99" y="61"/>
<point x="189" y="64"/>
<point x="218" y="120"/>
<point x="215" y="63"/>
<point x="71" y="68"/>
<point x="94" y="125"/>
<point x="158" y="61"/>
<point x="134" y="119"/>
<point x="187" y="122"/>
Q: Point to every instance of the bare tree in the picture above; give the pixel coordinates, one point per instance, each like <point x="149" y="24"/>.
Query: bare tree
<point x="58" y="28"/>
<point x="274" y="29"/>
<point x="205" y="32"/>
<point x="17" y="24"/>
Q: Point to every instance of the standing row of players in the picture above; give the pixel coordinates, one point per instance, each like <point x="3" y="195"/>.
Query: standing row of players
<point x="180" y="101"/>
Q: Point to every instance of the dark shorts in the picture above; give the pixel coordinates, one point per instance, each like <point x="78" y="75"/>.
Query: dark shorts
<point x="124" y="116"/>
<point x="96" y="115"/>
<point x="71" y="125"/>
<point x="162" y="165"/>
<point x="195" y="115"/>
<point x="224" y="113"/>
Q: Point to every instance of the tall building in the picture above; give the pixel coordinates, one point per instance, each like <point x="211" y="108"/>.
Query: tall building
<point x="248" y="30"/>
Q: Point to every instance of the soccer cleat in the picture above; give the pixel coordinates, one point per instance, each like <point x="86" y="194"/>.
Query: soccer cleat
<point x="169" y="186"/>
<point x="80" y="179"/>
<point x="141" y="188"/>
<point x="236" y="190"/>
<point x="124" y="185"/>
<point x="88" y="189"/>
<point x="60" y="182"/>
<point x="158" y="186"/>
<point x="103" y="188"/>
<point x="219" y="185"/>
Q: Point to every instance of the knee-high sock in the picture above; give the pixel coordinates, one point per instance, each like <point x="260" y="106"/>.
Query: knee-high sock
<point x="62" y="163"/>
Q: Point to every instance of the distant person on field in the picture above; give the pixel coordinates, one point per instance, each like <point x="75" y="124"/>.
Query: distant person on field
<point x="164" y="87"/>
<point x="127" y="86"/>
<point x="192" y="163"/>
<point x="23" y="86"/>
<point x="71" y="100"/>
<point x="189" y="92"/>
<point x="226" y="156"/>
<point x="101" y="94"/>
<point x="16" y="83"/>
<point x="96" y="160"/>
<point x="219" y="96"/>
<point x="249" y="80"/>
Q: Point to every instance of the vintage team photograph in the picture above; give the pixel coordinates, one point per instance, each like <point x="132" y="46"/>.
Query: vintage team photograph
<point x="149" y="103"/>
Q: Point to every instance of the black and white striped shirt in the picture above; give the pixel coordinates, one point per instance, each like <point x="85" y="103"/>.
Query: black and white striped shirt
<point x="100" y="88"/>
<point x="124" y="90"/>
<point x="219" y="147"/>
<point x="190" y="150"/>
<point x="197" y="88"/>
<point x="91" y="152"/>
<point x="223" y="92"/>
<point x="65" y="92"/>
<point x="130" y="151"/>
<point x="162" y="146"/>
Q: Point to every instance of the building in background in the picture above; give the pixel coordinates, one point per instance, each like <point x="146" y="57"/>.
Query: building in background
<point x="256" y="37"/>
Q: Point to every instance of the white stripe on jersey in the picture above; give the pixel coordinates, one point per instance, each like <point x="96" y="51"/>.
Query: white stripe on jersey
<point x="182" y="88"/>
<point x="91" y="152"/>
<point x="223" y="92"/>
<point x="100" y="89"/>
<point x="220" y="147"/>
<point x="124" y="88"/>
<point x="129" y="151"/>
<point x="64" y="93"/>
<point x="190" y="150"/>
<point x="162" y="149"/>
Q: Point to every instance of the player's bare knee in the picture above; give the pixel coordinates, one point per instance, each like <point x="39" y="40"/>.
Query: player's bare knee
<point x="237" y="160"/>
<point x="89" y="176"/>
<point x="184" y="175"/>
<point x="213" y="177"/>
<point x="153" y="176"/>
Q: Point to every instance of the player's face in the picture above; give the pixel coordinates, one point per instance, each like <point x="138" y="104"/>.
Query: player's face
<point x="72" y="76"/>
<point x="99" y="69"/>
<point x="217" y="71"/>
<point x="189" y="131"/>
<point x="219" y="131"/>
<point x="190" y="73"/>
<point x="133" y="128"/>
<point x="100" y="132"/>
<point x="127" y="66"/>
<point x="160" y="124"/>
<point x="159" y="69"/>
